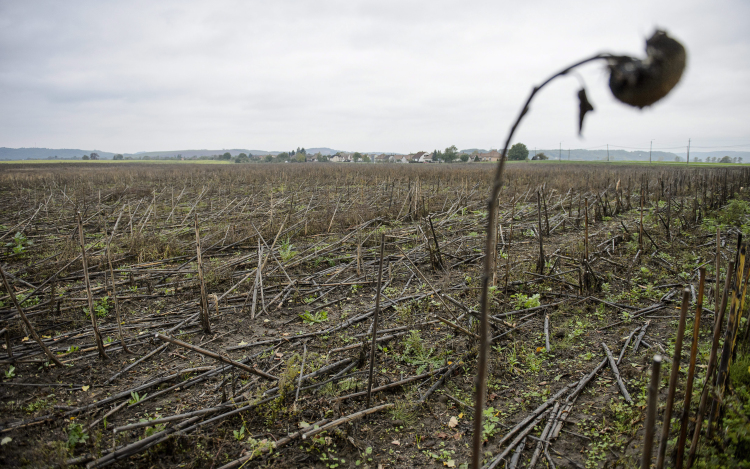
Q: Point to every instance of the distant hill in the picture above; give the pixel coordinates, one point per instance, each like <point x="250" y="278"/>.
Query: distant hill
<point x="745" y="155"/>
<point x="44" y="153"/>
<point x="573" y="154"/>
<point x="66" y="153"/>
<point x="601" y="155"/>
<point x="323" y="151"/>
<point x="191" y="153"/>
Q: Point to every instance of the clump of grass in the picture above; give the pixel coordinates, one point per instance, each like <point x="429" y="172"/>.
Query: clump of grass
<point x="403" y="410"/>
<point x="277" y="410"/>
<point x="739" y="371"/>
<point x="416" y="353"/>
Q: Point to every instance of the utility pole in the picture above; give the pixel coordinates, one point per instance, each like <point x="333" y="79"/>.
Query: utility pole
<point x="651" y="147"/>
<point x="688" y="152"/>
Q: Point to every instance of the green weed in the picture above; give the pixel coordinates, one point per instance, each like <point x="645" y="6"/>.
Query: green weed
<point x="76" y="435"/>
<point x="314" y="318"/>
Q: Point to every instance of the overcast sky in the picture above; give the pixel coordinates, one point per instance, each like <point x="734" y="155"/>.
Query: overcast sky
<point x="392" y="76"/>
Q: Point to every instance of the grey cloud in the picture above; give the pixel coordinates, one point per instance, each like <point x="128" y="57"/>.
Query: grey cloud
<point x="397" y="76"/>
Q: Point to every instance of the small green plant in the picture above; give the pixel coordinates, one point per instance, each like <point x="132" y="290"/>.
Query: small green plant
<point x="355" y="288"/>
<point x="403" y="410"/>
<point x="259" y="447"/>
<point x="135" y="398"/>
<point x="23" y="301"/>
<point x="523" y="301"/>
<point x="331" y="461"/>
<point x="314" y="318"/>
<point x="39" y="404"/>
<point x="101" y="307"/>
<point x="19" y="243"/>
<point x="442" y="455"/>
<point x="490" y="423"/>
<point x="152" y="429"/>
<point x="76" y="435"/>
<point x="739" y="371"/>
<point x="599" y="313"/>
<point x="10" y="372"/>
<point x="285" y="250"/>
<point x="511" y="356"/>
<point x="534" y="361"/>
<point x="415" y="352"/>
<point x="579" y="327"/>
<point x="365" y="456"/>
<point x="239" y="435"/>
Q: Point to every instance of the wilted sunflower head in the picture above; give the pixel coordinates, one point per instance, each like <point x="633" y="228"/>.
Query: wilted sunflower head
<point x="641" y="83"/>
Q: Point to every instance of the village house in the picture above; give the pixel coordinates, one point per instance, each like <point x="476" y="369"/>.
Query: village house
<point x="342" y="157"/>
<point x="400" y="159"/>
<point x="492" y="155"/>
<point x="416" y="157"/>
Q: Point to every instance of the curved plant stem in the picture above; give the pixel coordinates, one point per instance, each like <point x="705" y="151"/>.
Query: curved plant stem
<point x="492" y="204"/>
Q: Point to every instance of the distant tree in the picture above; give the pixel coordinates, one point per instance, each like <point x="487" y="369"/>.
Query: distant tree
<point x="145" y="157"/>
<point x="677" y="159"/>
<point x="281" y="157"/>
<point x="697" y="160"/>
<point x="356" y="156"/>
<point x="725" y="159"/>
<point x="301" y="157"/>
<point x="94" y="156"/>
<point x="450" y="154"/>
<point x="85" y="157"/>
<point x="464" y="157"/>
<point x="268" y="158"/>
<point x="242" y="155"/>
<point x="476" y="158"/>
<point x="321" y="158"/>
<point x="226" y="156"/>
<point x="518" y="152"/>
<point x="116" y="157"/>
<point x="540" y="156"/>
<point x="437" y="155"/>
<point x="366" y="158"/>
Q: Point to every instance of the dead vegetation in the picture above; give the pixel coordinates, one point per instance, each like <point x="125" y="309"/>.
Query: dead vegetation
<point x="257" y="349"/>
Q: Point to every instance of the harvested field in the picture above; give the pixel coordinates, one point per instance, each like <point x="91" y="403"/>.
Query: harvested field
<point x="246" y="297"/>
